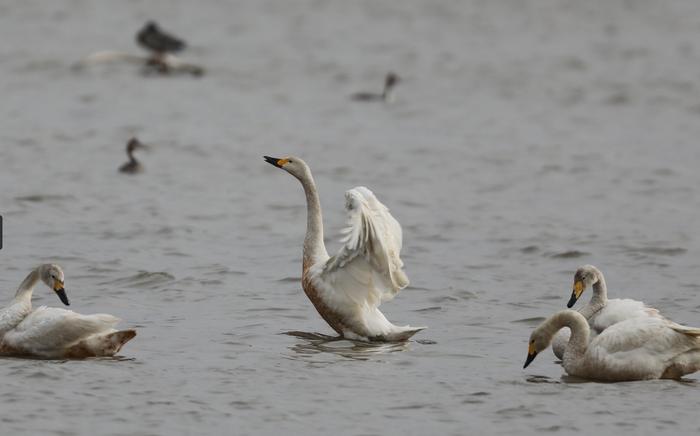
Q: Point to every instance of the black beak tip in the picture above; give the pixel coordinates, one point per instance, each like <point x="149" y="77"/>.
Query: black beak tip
<point x="62" y="296"/>
<point x="271" y="160"/>
<point x="572" y="301"/>
<point x="530" y="358"/>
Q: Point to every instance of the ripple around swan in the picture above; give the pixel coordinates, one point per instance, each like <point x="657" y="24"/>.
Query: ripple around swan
<point x="142" y="279"/>
<point x="317" y="343"/>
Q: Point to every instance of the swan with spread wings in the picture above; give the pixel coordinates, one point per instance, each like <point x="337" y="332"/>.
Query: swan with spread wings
<point x="347" y="289"/>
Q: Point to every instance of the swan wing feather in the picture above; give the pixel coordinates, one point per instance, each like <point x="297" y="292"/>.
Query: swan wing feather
<point x="368" y="267"/>
<point x="48" y="328"/>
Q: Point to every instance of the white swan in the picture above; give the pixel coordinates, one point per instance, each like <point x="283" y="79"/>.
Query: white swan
<point x="600" y="312"/>
<point x="348" y="288"/>
<point x="634" y="349"/>
<point x="49" y="332"/>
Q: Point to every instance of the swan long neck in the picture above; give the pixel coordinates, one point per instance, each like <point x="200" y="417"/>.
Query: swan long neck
<point x="580" y="332"/>
<point x="314" y="247"/>
<point x="600" y="293"/>
<point x="26" y="288"/>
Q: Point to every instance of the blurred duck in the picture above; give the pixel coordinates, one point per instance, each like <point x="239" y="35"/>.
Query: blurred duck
<point x="634" y="349"/>
<point x="54" y="333"/>
<point x="389" y="83"/>
<point x="348" y="288"/>
<point x="161" y="59"/>
<point x="600" y="311"/>
<point x="132" y="166"/>
<point x="152" y="38"/>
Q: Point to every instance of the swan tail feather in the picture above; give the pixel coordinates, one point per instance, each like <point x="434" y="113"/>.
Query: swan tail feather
<point x="690" y="331"/>
<point x="402" y="335"/>
<point x="101" y="345"/>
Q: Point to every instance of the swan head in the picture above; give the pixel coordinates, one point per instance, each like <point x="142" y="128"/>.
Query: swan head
<point x="291" y="164"/>
<point x="540" y="339"/>
<point x="585" y="276"/>
<point x="52" y="275"/>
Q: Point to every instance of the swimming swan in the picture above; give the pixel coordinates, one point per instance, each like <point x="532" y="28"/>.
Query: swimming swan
<point x="49" y="332"/>
<point x="348" y="288"/>
<point x="634" y="349"/>
<point x="600" y="312"/>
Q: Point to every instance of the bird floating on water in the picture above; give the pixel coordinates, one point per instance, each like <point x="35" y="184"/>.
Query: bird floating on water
<point x="54" y="333"/>
<point x="390" y="82"/>
<point x="132" y="166"/>
<point x="600" y="311"/>
<point x="634" y="349"/>
<point x="152" y="38"/>
<point x="348" y="288"/>
<point x="161" y="59"/>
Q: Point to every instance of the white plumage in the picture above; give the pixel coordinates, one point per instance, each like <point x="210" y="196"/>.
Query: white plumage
<point x="600" y="311"/>
<point x="348" y="288"/>
<point x="635" y="349"/>
<point x="48" y="332"/>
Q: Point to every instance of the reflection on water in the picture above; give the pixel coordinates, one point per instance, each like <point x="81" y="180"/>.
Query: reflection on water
<point x="315" y="343"/>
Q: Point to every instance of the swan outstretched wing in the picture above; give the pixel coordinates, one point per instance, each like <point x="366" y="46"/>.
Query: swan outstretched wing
<point x="368" y="267"/>
<point x="48" y="328"/>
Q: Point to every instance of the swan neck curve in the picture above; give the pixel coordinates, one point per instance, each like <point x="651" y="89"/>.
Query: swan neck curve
<point x="314" y="247"/>
<point x="26" y="288"/>
<point x="600" y="293"/>
<point x="580" y="333"/>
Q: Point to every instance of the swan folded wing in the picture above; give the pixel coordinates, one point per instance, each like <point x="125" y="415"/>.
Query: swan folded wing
<point x="367" y="269"/>
<point x="48" y="328"/>
<point x="640" y="339"/>
<point x="618" y="310"/>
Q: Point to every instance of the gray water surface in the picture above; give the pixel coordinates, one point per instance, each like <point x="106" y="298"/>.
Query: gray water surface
<point x="527" y="138"/>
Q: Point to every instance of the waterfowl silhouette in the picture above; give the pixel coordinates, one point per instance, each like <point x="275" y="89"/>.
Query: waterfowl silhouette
<point x="152" y="38"/>
<point x="390" y="82"/>
<point x="132" y="166"/>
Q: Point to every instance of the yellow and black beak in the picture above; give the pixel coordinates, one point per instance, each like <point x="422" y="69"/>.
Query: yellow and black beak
<point x="579" y="287"/>
<point x="58" y="289"/>
<point x="531" y="354"/>
<point x="279" y="163"/>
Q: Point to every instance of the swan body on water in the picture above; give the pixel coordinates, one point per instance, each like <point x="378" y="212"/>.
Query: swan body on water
<point x="49" y="332"/>
<point x="640" y="348"/>
<point x="348" y="288"/>
<point x="600" y="311"/>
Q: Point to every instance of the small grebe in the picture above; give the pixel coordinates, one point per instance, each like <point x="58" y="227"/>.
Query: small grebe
<point x="389" y="82"/>
<point x="133" y="166"/>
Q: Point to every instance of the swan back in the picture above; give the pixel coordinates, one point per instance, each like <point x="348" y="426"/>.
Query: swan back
<point x="47" y="330"/>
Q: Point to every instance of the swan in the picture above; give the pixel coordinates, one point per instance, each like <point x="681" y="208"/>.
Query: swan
<point x="635" y="349"/>
<point x="348" y="288"/>
<point x="132" y="166"/>
<point x="49" y="332"/>
<point x="600" y="312"/>
<point x="390" y="81"/>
